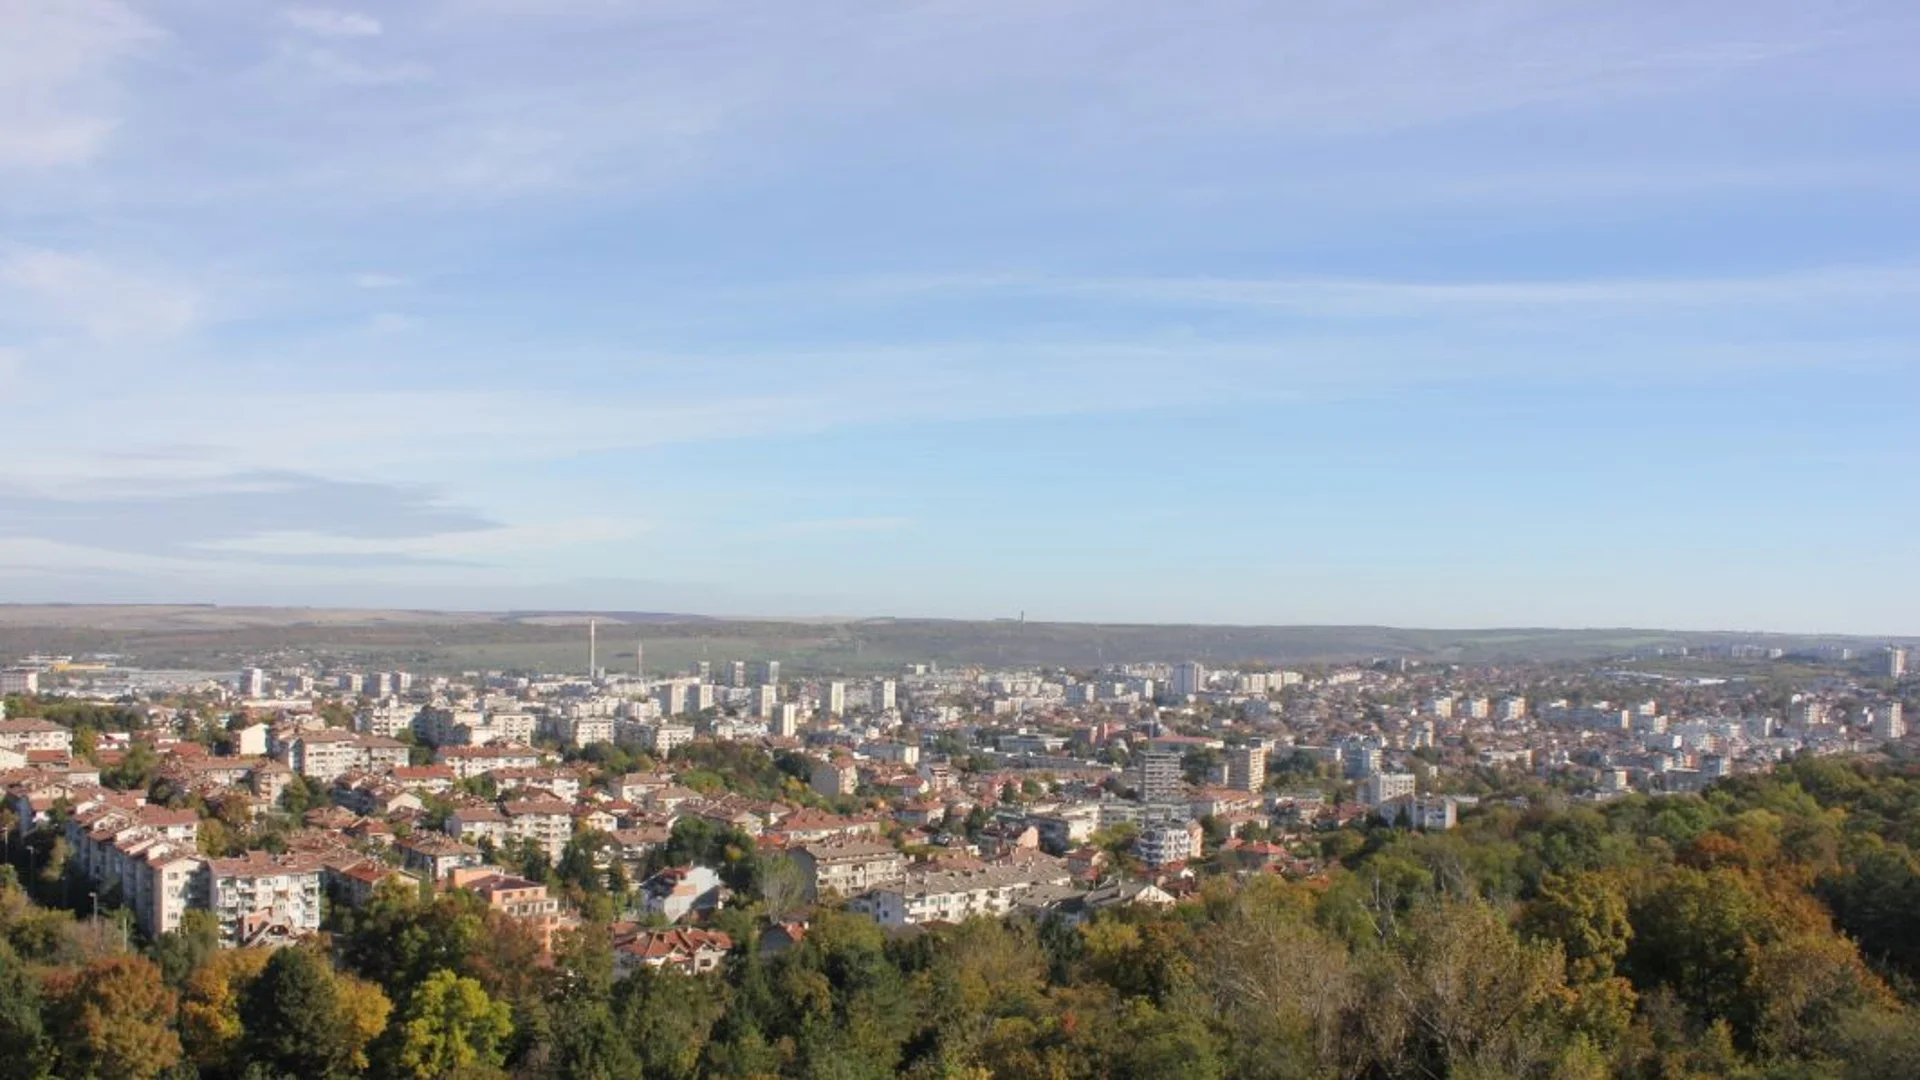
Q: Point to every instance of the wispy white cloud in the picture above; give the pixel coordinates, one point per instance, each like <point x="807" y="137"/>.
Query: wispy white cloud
<point x="58" y="62"/>
<point x="840" y="525"/>
<point x="391" y="322"/>
<point x="333" y="22"/>
<point x="61" y="291"/>
<point x="332" y="66"/>
<point x="1359" y="297"/>
<point x="507" y="542"/>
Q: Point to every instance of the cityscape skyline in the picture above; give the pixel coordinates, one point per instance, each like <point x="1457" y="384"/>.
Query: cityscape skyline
<point x="1574" y="314"/>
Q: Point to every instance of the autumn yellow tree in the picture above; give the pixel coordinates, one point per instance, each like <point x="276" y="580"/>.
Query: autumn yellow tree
<point x="112" y="1020"/>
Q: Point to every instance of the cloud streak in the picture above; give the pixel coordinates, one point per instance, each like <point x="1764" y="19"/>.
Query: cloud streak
<point x="62" y="291"/>
<point x="197" y="520"/>
<point x="59" y="62"/>
<point x="333" y="23"/>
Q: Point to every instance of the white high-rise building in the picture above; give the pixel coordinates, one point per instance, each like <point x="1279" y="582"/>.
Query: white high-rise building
<point x="1894" y="662"/>
<point x="765" y="698"/>
<point x="1188" y="679"/>
<point x="833" y="698"/>
<point x="884" y="695"/>
<point x="672" y="698"/>
<point x="1247" y="768"/>
<point x="1161" y="774"/>
<point x="252" y="683"/>
<point x="764" y="673"/>
<point x="1888" y="721"/>
<point x="786" y="720"/>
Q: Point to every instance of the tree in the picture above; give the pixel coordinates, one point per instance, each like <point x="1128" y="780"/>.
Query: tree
<point x="22" y="1038"/>
<point x="364" y="1009"/>
<point x="181" y="952"/>
<point x="135" y="769"/>
<point x="1586" y="913"/>
<point x="1280" y="985"/>
<point x="293" y="1021"/>
<point x="112" y="1020"/>
<point x="210" y="1007"/>
<point x="1464" y="996"/>
<point x="451" y="1024"/>
<point x="783" y="885"/>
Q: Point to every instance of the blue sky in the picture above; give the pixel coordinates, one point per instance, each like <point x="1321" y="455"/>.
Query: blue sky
<point x="1486" y="313"/>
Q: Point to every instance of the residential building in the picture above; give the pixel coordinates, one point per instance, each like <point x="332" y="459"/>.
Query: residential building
<point x="957" y="895"/>
<point x="386" y="717"/>
<point x="1383" y="786"/>
<point x="1426" y="814"/>
<point x="525" y="901"/>
<point x="319" y="755"/>
<point x="547" y="823"/>
<point x="478" y="824"/>
<point x="679" y="891"/>
<point x="663" y="738"/>
<point x="434" y="856"/>
<point x="848" y="866"/>
<point x="690" y="952"/>
<point x="31" y="736"/>
<point x="1247" y="768"/>
<point x="833" y="698"/>
<point x="835" y="777"/>
<point x="1189" y="679"/>
<point x="1888" y="722"/>
<point x="1161" y="774"/>
<point x="672" y="698"/>
<point x="1893" y="663"/>
<point x="1164" y="845"/>
<point x="471" y="761"/>
<point x="766" y="698"/>
<point x="263" y="899"/>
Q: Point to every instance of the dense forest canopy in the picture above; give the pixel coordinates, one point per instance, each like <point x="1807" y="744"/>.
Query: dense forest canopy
<point x="1765" y="929"/>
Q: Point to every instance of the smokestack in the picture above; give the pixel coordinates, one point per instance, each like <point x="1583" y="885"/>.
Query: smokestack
<point x="593" y="648"/>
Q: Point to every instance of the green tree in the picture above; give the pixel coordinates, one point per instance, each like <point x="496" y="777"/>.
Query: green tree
<point x="181" y="952"/>
<point x="292" y="1018"/>
<point x="450" y="1025"/>
<point x="22" y="1036"/>
<point x="1586" y="914"/>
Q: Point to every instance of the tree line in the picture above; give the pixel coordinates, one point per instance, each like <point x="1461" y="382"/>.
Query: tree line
<point x="1763" y="930"/>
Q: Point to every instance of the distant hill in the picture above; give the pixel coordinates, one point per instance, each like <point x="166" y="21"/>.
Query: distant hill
<point x="214" y="637"/>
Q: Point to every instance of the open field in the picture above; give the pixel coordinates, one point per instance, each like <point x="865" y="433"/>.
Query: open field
<point x="217" y="638"/>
